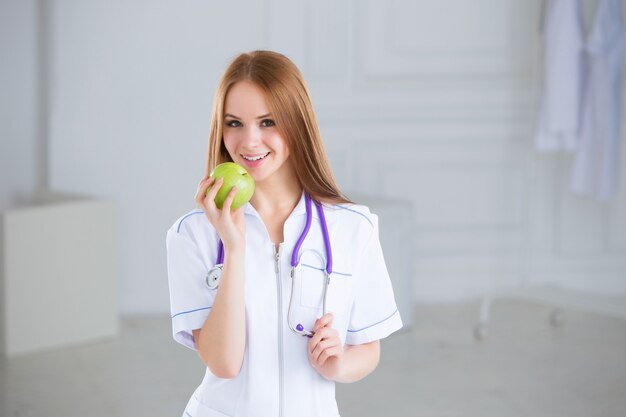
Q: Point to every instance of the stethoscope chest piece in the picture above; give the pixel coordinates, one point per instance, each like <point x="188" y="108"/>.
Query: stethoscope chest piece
<point x="213" y="276"/>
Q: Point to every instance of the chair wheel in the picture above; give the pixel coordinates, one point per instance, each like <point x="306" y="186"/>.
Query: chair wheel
<point x="480" y="331"/>
<point x="557" y="317"/>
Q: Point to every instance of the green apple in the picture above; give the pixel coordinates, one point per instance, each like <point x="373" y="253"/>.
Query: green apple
<point x="234" y="176"/>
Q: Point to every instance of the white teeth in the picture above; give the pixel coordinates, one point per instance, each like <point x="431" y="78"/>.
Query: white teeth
<point x="255" y="158"/>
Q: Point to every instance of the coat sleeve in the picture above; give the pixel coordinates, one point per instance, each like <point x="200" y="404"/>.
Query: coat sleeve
<point x="190" y="298"/>
<point x="374" y="313"/>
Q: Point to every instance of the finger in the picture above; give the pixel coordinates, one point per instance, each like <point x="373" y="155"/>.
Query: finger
<point x="315" y="354"/>
<point x="325" y="320"/>
<point x="324" y="355"/>
<point x="204" y="181"/>
<point x="323" y="335"/>
<point x="326" y="333"/>
<point x="315" y="340"/>
<point x="321" y="346"/>
<point x="212" y="192"/>
<point x="333" y="352"/>
<point x="201" y="190"/>
<point x="229" y="199"/>
<point x="310" y="346"/>
<point x="323" y="351"/>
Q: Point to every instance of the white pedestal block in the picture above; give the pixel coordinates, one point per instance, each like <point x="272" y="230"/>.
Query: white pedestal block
<point x="396" y="228"/>
<point x="58" y="277"/>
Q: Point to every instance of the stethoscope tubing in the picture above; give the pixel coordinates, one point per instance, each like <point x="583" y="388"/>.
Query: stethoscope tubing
<point x="296" y="249"/>
<point x="299" y="329"/>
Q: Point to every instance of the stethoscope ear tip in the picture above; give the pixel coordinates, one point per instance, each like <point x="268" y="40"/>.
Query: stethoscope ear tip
<point x="300" y="330"/>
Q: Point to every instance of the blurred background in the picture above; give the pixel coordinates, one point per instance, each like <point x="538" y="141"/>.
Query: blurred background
<point x="515" y="284"/>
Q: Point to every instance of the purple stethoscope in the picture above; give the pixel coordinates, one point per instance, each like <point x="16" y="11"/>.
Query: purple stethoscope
<point x="214" y="275"/>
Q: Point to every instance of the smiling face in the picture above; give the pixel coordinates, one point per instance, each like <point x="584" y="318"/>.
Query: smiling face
<point x="251" y="137"/>
<point x="255" y="84"/>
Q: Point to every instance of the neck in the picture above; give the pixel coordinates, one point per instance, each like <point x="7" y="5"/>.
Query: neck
<point x="276" y="198"/>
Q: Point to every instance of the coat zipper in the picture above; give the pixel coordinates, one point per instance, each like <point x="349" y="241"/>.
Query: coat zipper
<point x="281" y="375"/>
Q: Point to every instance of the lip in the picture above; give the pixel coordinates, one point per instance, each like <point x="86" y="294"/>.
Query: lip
<point x="254" y="164"/>
<point x="256" y="155"/>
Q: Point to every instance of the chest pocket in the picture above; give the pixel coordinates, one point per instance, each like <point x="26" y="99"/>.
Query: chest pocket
<point x="312" y="271"/>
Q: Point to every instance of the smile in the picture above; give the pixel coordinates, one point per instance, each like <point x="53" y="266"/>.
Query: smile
<point x="254" y="158"/>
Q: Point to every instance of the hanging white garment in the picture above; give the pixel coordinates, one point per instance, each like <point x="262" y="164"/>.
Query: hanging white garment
<point x="560" y="105"/>
<point x="596" y="164"/>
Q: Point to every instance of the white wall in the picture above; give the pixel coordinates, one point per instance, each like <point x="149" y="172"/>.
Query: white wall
<point x="20" y="173"/>
<point x="413" y="101"/>
<point x="131" y="95"/>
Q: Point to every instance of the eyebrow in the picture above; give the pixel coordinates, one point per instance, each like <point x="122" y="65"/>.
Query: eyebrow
<point x="235" y="117"/>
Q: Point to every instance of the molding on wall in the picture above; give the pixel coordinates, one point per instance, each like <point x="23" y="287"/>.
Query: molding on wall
<point x="450" y="127"/>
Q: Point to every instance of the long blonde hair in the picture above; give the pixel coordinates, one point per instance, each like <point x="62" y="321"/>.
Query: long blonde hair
<point x="289" y="102"/>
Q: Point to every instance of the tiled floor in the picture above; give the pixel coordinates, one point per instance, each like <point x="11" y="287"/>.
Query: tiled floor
<point x="525" y="367"/>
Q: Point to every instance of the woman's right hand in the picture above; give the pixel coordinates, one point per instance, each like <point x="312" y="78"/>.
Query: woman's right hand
<point x="230" y="225"/>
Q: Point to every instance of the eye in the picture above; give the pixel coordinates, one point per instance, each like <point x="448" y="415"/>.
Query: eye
<point x="233" y="123"/>
<point x="267" y="123"/>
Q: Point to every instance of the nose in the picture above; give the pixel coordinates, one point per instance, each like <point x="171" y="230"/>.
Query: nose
<point x="253" y="136"/>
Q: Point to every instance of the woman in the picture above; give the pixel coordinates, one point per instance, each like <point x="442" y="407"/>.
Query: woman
<point x="272" y="291"/>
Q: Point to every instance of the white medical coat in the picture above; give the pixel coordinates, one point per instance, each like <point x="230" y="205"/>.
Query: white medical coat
<point x="560" y="105"/>
<point x="596" y="165"/>
<point x="276" y="378"/>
